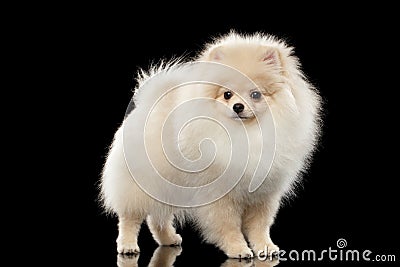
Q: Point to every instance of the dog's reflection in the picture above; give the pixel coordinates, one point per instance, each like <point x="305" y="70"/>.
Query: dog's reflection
<point x="249" y="263"/>
<point x="127" y="260"/>
<point x="162" y="256"/>
<point x="166" y="256"/>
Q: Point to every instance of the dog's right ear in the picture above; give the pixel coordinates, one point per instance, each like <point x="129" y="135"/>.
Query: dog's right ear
<point x="214" y="54"/>
<point x="271" y="56"/>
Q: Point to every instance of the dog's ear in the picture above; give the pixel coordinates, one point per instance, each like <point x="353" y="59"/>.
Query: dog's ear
<point x="271" y="56"/>
<point x="216" y="54"/>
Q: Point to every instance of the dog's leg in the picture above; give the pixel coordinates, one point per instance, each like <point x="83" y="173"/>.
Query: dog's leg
<point x="221" y="225"/>
<point x="163" y="231"/>
<point x="257" y="221"/>
<point x="128" y="227"/>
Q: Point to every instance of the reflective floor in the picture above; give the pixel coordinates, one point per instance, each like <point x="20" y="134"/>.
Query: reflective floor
<point x="167" y="256"/>
<point x="100" y="248"/>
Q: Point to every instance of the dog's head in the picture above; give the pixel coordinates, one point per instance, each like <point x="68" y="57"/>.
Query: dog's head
<point x="263" y="65"/>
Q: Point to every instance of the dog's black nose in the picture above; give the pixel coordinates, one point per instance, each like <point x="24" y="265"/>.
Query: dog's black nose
<point x="238" y="107"/>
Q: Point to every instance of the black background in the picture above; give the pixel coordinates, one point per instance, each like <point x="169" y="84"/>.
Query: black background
<point x="348" y="53"/>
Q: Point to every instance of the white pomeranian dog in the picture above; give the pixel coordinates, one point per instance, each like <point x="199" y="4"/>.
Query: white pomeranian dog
<point x="222" y="151"/>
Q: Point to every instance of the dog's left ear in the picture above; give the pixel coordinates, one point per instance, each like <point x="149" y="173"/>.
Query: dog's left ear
<point x="213" y="54"/>
<point x="271" y="56"/>
<point x="216" y="54"/>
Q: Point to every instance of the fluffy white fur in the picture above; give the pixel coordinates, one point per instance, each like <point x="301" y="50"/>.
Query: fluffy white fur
<point x="239" y="217"/>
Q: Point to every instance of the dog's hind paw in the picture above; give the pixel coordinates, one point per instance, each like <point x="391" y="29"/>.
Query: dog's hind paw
<point x="240" y="253"/>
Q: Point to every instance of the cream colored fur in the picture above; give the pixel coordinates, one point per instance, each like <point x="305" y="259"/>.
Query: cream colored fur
<point x="240" y="216"/>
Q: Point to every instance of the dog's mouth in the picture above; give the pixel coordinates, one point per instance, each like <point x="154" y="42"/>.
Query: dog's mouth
<point x="243" y="118"/>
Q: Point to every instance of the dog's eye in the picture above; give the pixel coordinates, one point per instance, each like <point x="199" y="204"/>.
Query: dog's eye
<point x="255" y="95"/>
<point x="227" y="95"/>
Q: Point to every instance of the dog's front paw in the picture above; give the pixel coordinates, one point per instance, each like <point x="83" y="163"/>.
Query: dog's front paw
<point x="171" y="240"/>
<point x="176" y="240"/>
<point x="239" y="252"/>
<point x="127" y="247"/>
<point x="268" y="249"/>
